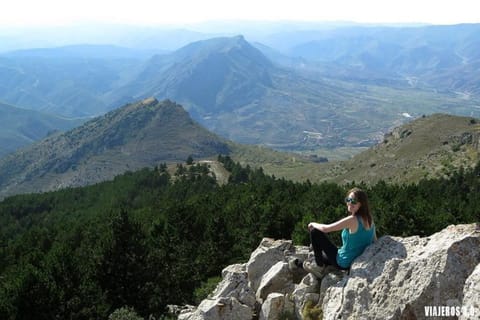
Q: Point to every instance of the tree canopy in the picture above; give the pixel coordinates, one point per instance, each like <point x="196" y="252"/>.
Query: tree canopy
<point x="148" y="239"/>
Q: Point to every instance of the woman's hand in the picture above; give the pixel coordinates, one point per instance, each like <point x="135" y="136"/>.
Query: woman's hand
<point x="314" y="225"/>
<point x="310" y="226"/>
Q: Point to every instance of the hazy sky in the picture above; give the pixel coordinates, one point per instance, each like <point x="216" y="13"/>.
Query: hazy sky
<point x="153" y="12"/>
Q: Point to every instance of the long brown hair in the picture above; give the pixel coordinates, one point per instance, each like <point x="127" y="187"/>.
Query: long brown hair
<point x="364" y="210"/>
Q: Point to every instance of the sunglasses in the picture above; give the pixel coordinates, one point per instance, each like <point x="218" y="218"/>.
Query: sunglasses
<point x="351" y="200"/>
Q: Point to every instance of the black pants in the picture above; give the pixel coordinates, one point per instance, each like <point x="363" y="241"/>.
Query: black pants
<point x="324" y="250"/>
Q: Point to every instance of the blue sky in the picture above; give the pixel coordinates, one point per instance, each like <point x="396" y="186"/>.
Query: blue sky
<point x="21" y="13"/>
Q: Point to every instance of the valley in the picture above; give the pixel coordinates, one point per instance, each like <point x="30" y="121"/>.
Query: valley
<point x="295" y="109"/>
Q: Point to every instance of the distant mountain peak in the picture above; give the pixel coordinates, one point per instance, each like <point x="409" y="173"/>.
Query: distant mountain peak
<point x="235" y="42"/>
<point x="149" y="101"/>
<point x="207" y="76"/>
<point x="204" y="48"/>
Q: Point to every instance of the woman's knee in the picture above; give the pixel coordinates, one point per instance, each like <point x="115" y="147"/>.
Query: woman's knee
<point x="316" y="232"/>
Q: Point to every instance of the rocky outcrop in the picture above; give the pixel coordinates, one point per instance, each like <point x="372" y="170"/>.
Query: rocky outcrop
<point x="395" y="278"/>
<point x="398" y="277"/>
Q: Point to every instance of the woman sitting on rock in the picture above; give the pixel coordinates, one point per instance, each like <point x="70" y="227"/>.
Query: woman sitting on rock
<point x="358" y="231"/>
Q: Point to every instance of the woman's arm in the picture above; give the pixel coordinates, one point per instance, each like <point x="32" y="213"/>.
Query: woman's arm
<point x="345" y="223"/>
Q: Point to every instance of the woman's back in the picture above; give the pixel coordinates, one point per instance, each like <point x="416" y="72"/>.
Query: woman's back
<point x="354" y="243"/>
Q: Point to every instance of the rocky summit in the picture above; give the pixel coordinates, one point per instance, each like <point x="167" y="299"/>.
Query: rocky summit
<point x="395" y="278"/>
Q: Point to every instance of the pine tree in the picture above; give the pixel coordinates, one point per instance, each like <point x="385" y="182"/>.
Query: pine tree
<point x="123" y="271"/>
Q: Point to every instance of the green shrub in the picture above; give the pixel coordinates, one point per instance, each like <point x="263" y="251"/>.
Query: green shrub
<point x="311" y="311"/>
<point x="124" y="313"/>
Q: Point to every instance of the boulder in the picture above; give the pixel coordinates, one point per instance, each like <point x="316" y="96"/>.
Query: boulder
<point x="471" y="296"/>
<point x="306" y="290"/>
<point x="273" y="307"/>
<point x="219" y="309"/>
<point x="278" y="279"/>
<point x="268" y="253"/>
<point x="235" y="284"/>
<point x="231" y="299"/>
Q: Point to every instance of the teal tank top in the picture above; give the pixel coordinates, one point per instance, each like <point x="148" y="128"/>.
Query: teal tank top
<point x="354" y="244"/>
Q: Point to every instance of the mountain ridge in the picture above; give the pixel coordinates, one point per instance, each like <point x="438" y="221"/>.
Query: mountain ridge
<point x="428" y="147"/>
<point x="230" y="87"/>
<point x="148" y="133"/>
<point x="20" y="127"/>
<point x="233" y="89"/>
<point x="433" y="55"/>
<point x="137" y="135"/>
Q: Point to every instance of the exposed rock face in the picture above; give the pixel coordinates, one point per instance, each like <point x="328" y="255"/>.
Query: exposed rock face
<point x="471" y="292"/>
<point x="232" y="299"/>
<point x="395" y="278"/>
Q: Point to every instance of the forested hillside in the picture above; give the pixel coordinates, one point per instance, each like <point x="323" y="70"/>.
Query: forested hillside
<point x="149" y="238"/>
<point x="137" y="135"/>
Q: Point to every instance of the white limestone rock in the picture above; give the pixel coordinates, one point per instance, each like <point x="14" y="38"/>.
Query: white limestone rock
<point x="277" y="279"/>
<point x="471" y="296"/>
<point x="264" y="257"/>
<point x="272" y="307"/>
<point x="219" y="309"/>
<point x="231" y="299"/>
<point x="397" y="277"/>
